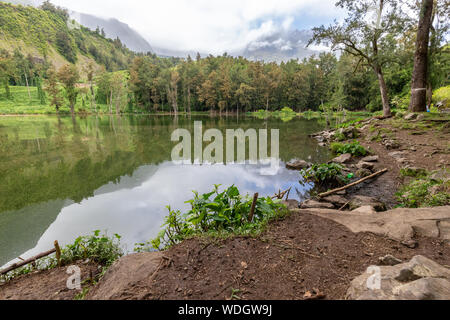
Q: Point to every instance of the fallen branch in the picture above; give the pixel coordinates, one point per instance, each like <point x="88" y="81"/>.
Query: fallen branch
<point x="326" y="194"/>
<point x="28" y="261"/>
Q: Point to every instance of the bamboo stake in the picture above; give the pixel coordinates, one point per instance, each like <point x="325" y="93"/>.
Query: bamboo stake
<point x="322" y="195"/>
<point x="252" y="211"/>
<point x="58" y="253"/>
<point x="24" y="263"/>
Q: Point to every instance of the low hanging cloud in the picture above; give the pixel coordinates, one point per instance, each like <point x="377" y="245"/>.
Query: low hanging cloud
<point x="206" y="25"/>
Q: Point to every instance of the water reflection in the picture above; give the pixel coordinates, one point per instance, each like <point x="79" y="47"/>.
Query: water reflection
<point x="60" y="179"/>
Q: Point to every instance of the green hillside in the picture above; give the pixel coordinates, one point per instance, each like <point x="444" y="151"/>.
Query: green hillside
<point x="47" y="34"/>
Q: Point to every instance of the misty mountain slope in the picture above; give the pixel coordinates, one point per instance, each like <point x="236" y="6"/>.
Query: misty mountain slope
<point x="114" y="28"/>
<point x="280" y="46"/>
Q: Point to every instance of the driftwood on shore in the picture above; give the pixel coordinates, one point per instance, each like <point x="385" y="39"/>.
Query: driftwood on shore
<point x="326" y="194"/>
<point x="28" y="261"/>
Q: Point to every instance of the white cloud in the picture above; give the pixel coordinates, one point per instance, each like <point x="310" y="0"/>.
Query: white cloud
<point x="209" y="26"/>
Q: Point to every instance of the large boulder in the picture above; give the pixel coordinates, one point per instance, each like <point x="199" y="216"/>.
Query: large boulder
<point x="411" y="116"/>
<point x="402" y="224"/>
<point x="337" y="200"/>
<point x="363" y="201"/>
<point x="418" y="279"/>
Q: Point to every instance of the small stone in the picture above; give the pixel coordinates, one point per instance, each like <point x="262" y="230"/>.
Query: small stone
<point x="411" y="116"/>
<point x="297" y="165"/>
<point x="312" y="204"/>
<point x="371" y="159"/>
<point x="389" y="260"/>
<point x="365" y="210"/>
<point x="397" y="154"/>
<point x="337" y="200"/>
<point x="346" y="157"/>
<point x="361" y="201"/>
<point x="365" y="165"/>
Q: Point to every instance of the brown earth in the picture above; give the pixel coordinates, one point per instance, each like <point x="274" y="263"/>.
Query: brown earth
<point x="294" y="259"/>
<point x="47" y="285"/>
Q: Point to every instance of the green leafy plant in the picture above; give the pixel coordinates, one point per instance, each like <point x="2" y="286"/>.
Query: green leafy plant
<point x="325" y="174"/>
<point x="216" y="213"/>
<point x="354" y="148"/>
<point x="419" y="193"/>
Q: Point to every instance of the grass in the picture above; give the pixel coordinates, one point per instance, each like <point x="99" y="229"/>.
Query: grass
<point x="424" y="191"/>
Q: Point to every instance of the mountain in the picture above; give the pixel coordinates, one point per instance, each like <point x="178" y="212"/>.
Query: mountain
<point x="280" y="46"/>
<point x="114" y="28"/>
<point x="49" y="35"/>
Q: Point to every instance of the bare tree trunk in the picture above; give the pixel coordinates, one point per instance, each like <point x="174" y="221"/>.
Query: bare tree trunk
<point x="384" y="92"/>
<point x="28" y="87"/>
<point x="189" y="98"/>
<point x="420" y="72"/>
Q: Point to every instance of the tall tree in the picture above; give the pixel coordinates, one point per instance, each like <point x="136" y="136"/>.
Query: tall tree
<point x="69" y="76"/>
<point x="52" y="87"/>
<point x="363" y="34"/>
<point x="420" y="72"/>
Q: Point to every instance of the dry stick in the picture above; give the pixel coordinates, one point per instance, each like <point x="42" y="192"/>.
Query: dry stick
<point x="21" y="264"/>
<point x="252" y="211"/>
<point x="58" y="253"/>
<point x="322" y="195"/>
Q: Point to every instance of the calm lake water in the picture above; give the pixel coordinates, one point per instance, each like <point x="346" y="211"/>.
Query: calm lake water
<point x="60" y="178"/>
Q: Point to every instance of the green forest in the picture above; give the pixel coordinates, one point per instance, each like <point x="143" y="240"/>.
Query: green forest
<point x="368" y="69"/>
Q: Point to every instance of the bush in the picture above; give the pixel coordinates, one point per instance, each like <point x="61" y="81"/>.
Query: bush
<point x="355" y="149"/>
<point x="227" y="213"/>
<point x="325" y="174"/>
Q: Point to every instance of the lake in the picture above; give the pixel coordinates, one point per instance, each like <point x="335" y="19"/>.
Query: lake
<point x="61" y="178"/>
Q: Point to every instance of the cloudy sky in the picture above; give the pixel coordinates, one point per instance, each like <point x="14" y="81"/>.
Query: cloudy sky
<point x="212" y="26"/>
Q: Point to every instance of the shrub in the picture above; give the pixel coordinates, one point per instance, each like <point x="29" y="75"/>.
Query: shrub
<point x="216" y="213"/>
<point x="325" y="174"/>
<point x="354" y="148"/>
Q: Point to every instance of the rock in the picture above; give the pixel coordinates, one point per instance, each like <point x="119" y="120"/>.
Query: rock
<point x="418" y="279"/>
<point x="337" y="200"/>
<point x="420" y="117"/>
<point x="441" y="175"/>
<point x="365" y="165"/>
<point x="402" y="224"/>
<point x="297" y="165"/>
<point x="346" y="157"/>
<point x="310" y="204"/>
<point x="365" y="210"/>
<point x="389" y="260"/>
<point x="371" y="159"/>
<point x="411" y="116"/>
<point x="391" y="144"/>
<point x="362" y="173"/>
<point x="362" y="201"/>
<point x="397" y="154"/>
<point x="291" y="204"/>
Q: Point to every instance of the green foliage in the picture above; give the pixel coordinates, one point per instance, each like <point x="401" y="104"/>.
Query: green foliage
<point x="217" y="213"/>
<point x="419" y="193"/>
<point x="354" y="148"/>
<point x="442" y="94"/>
<point x="325" y="174"/>
<point x="413" y="172"/>
<point x="98" y="248"/>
